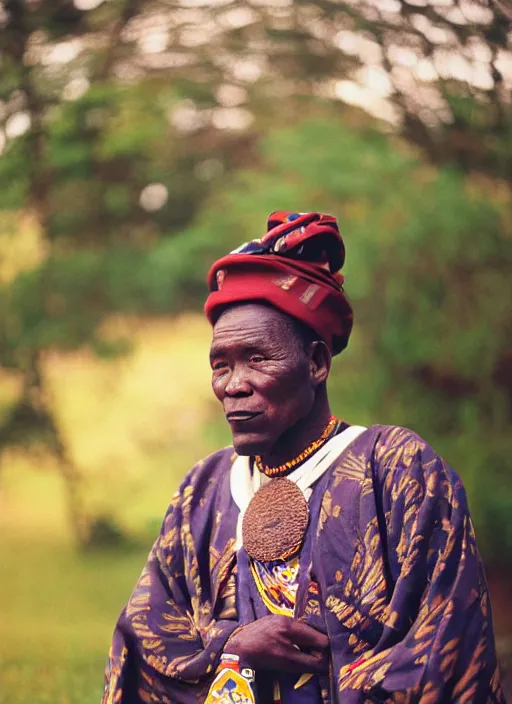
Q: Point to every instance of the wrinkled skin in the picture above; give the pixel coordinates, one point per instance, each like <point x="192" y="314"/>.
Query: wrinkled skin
<point x="260" y="365"/>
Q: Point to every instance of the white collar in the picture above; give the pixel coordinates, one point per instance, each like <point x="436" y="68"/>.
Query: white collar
<point x="244" y="483"/>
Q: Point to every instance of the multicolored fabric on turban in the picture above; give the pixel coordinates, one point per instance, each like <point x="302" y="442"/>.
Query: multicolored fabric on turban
<point x="294" y="267"/>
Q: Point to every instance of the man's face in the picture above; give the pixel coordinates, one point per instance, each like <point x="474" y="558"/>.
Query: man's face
<point x="261" y="375"/>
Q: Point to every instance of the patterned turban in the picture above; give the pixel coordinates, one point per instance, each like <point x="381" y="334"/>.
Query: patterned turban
<point x="295" y="268"/>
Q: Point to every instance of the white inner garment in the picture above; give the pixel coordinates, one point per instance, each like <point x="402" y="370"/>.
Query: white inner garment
<point x="244" y="483"/>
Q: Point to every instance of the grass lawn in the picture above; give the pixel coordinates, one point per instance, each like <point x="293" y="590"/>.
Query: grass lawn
<point x="59" y="610"/>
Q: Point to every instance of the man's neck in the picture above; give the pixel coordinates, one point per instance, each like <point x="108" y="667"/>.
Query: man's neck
<point x="300" y="436"/>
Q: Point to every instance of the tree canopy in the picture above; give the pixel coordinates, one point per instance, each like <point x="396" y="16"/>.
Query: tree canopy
<point x="142" y="139"/>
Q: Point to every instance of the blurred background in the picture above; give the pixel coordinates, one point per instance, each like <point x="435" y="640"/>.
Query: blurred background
<point x="140" y="140"/>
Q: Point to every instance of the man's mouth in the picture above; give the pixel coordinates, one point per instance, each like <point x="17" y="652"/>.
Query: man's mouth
<point x="241" y="416"/>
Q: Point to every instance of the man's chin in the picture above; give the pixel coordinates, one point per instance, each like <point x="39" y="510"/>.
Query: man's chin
<point x="248" y="444"/>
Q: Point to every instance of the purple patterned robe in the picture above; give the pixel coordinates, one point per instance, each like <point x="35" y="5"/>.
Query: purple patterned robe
<point x="389" y="570"/>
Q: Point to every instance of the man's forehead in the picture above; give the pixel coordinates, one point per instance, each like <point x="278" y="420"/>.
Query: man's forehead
<point x="250" y="316"/>
<point x="248" y="324"/>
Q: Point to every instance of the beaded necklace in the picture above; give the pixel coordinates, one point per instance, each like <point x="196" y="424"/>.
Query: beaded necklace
<point x="286" y="467"/>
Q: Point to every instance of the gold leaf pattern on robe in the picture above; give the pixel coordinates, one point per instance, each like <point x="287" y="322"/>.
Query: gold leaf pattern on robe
<point x="423" y="523"/>
<point x="399" y="579"/>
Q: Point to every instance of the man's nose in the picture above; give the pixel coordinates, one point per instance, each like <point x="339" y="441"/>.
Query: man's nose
<point x="238" y="383"/>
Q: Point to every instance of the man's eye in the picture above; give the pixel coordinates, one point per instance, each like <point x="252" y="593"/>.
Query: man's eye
<point x="218" y="365"/>
<point x="256" y="358"/>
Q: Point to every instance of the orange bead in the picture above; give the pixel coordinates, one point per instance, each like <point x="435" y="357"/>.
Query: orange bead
<point x="286" y="466"/>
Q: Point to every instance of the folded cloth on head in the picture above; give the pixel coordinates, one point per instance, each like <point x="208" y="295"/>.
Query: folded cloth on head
<point x="294" y="267"/>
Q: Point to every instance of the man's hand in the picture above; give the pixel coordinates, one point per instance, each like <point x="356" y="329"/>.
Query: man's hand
<point x="280" y="643"/>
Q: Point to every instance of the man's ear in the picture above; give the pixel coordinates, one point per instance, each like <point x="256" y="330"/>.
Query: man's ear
<point x="320" y="359"/>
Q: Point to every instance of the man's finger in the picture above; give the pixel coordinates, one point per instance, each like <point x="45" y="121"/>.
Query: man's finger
<point x="294" y="660"/>
<point x="306" y="637"/>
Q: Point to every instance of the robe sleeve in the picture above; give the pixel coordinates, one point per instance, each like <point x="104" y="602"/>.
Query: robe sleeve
<point x="436" y="641"/>
<point x="169" y="638"/>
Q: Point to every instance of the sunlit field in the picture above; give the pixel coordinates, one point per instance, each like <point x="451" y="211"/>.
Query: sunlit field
<point x="58" y="612"/>
<point x="135" y="426"/>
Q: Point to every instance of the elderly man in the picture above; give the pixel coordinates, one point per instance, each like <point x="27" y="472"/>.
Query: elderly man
<point x="313" y="561"/>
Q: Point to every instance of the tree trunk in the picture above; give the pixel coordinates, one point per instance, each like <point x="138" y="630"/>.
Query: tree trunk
<point x="31" y="425"/>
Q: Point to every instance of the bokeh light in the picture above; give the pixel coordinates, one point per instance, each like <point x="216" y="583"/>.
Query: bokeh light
<point x="153" y="197"/>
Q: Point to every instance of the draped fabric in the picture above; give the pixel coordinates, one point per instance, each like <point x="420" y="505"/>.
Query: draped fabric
<point x="389" y="570"/>
<point x="170" y="636"/>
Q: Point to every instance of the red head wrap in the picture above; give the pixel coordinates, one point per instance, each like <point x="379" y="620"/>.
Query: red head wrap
<point x="294" y="267"/>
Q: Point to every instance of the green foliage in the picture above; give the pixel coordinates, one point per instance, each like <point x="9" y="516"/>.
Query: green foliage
<point x="14" y="175"/>
<point x="429" y="255"/>
<point x="105" y="534"/>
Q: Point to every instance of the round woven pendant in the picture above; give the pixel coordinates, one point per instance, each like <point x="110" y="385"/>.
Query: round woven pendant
<point x="275" y="522"/>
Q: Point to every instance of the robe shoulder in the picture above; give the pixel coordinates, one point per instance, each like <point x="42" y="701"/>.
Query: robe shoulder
<point x="202" y="485"/>
<point x="208" y="470"/>
<point x="397" y="451"/>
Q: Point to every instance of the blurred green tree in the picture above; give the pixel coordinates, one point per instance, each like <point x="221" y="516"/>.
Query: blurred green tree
<point x="106" y="164"/>
<point x="122" y="125"/>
